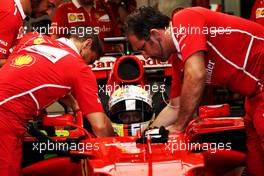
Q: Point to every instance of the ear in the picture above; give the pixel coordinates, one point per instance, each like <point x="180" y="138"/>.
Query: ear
<point x="88" y="43"/>
<point x="156" y="34"/>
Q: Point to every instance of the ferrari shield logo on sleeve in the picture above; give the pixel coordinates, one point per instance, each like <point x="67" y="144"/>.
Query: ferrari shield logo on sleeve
<point x="23" y="60"/>
<point x="80" y="17"/>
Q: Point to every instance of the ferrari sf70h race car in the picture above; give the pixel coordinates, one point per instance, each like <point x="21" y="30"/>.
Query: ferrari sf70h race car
<point x="60" y="145"/>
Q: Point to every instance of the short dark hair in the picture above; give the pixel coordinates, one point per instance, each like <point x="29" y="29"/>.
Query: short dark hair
<point x="80" y="33"/>
<point x="143" y="20"/>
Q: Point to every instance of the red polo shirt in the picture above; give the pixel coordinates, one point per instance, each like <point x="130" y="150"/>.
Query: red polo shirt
<point x="11" y="25"/>
<point x="233" y="47"/>
<point x="71" y="14"/>
<point x="257" y="13"/>
<point x="40" y="71"/>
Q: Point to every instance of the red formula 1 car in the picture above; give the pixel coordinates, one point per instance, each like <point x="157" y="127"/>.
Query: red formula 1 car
<point x="213" y="143"/>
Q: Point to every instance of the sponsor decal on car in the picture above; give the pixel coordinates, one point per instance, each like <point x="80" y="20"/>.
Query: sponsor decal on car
<point x="107" y="62"/>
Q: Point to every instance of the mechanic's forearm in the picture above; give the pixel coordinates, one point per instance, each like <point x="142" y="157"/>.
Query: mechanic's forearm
<point x="106" y="131"/>
<point x="192" y="89"/>
<point x="101" y="124"/>
<point x="70" y="101"/>
<point x="168" y="115"/>
<point x="189" y="100"/>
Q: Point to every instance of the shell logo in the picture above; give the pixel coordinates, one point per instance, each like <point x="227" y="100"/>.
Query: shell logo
<point x="72" y="17"/>
<point x="23" y="60"/>
<point x="260" y="13"/>
<point x="38" y="41"/>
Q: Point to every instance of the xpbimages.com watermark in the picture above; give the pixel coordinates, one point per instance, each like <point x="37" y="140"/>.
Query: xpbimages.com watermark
<point x="174" y="146"/>
<point x="212" y="31"/>
<point x="61" y="146"/>
<point x="61" y="30"/>
<point x="108" y="89"/>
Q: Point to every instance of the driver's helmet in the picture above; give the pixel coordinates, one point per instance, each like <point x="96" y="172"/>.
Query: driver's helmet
<point x="130" y="110"/>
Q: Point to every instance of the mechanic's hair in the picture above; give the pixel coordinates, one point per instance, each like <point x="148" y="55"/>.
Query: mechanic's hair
<point x="140" y="22"/>
<point x="81" y="34"/>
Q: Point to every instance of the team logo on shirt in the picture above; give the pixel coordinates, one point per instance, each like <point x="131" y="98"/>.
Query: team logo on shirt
<point x="72" y="17"/>
<point x="75" y="17"/>
<point x="21" y="32"/>
<point x="260" y="13"/>
<point x="23" y="60"/>
<point x="38" y="41"/>
<point x="80" y="17"/>
<point x="209" y="71"/>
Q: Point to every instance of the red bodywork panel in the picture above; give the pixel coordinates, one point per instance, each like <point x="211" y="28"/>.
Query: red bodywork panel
<point x="115" y="79"/>
<point x="222" y="110"/>
<point x="122" y="156"/>
<point x="103" y="67"/>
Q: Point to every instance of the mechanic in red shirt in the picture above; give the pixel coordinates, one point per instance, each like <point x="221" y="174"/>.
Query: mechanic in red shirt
<point x="209" y="49"/>
<point x="39" y="72"/>
<point x="257" y="13"/>
<point x="122" y="9"/>
<point x="12" y="14"/>
<point x="94" y="13"/>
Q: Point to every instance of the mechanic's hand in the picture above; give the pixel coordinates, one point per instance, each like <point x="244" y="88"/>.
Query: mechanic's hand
<point x="176" y="129"/>
<point x="150" y="127"/>
<point x="75" y="108"/>
<point x="70" y="101"/>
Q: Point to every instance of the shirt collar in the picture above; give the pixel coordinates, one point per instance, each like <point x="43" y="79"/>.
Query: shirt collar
<point x="76" y="3"/>
<point x="20" y="8"/>
<point x="69" y="43"/>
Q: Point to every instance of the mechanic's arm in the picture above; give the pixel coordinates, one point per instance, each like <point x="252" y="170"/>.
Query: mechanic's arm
<point x="192" y="89"/>
<point x="70" y="101"/>
<point x="101" y="124"/>
<point x="167" y="116"/>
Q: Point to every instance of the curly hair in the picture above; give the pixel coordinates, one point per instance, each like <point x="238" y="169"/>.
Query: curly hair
<point x="140" y="22"/>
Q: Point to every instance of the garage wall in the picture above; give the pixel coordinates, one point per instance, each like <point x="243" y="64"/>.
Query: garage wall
<point x="167" y="6"/>
<point x="232" y="6"/>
